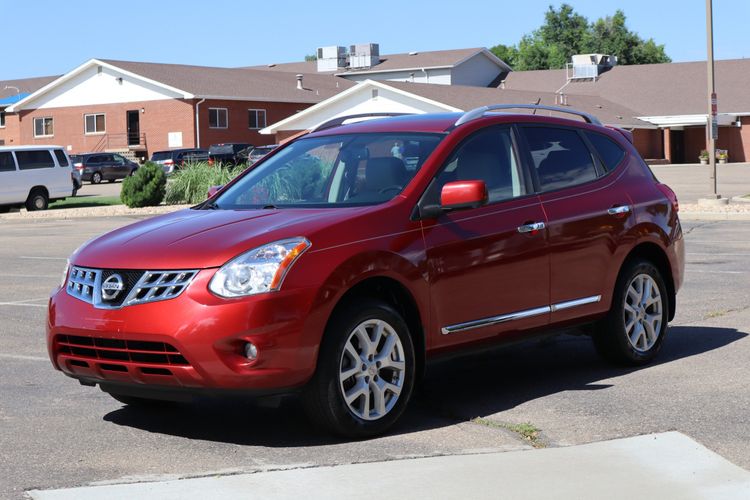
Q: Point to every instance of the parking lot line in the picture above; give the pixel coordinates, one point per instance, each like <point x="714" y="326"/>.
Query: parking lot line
<point x="714" y="254"/>
<point x="33" y="257"/>
<point x="22" y="357"/>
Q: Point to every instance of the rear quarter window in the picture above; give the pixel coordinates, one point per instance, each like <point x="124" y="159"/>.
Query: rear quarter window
<point x="34" y="159"/>
<point x="62" y="160"/>
<point x="6" y="162"/>
<point x="610" y="153"/>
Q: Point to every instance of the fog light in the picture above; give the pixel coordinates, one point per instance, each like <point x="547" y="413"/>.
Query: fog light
<point x="251" y="352"/>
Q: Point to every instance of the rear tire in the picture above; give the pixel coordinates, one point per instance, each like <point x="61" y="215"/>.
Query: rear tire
<point x="96" y="178"/>
<point x="37" y="200"/>
<point x="634" y="329"/>
<point x="366" y="353"/>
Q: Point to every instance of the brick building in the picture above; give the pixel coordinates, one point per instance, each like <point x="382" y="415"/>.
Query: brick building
<point x="138" y="108"/>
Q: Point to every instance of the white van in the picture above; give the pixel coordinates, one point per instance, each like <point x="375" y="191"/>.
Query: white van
<point x="32" y="176"/>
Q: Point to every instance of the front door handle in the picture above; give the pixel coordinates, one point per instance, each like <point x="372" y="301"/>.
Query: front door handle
<point x="619" y="211"/>
<point x="532" y="227"/>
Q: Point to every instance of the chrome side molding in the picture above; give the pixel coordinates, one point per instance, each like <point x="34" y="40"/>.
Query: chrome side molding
<point x="528" y="313"/>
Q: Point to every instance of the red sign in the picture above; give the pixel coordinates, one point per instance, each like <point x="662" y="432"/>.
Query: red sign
<point x="714" y="104"/>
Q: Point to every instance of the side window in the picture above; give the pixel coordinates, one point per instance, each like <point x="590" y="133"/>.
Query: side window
<point x="609" y="151"/>
<point x="488" y="156"/>
<point x="62" y="160"/>
<point x="107" y="159"/>
<point x="32" y="159"/>
<point x="560" y="157"/>
<point x="118" y="159"/>
<point x="6" y="162"/>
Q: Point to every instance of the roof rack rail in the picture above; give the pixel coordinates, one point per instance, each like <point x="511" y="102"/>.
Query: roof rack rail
<point x="477" y="113"/>
<point x="338" y="121"/>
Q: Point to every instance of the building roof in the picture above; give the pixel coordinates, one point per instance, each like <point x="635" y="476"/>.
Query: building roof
<point x="24" y="85"/>
<point x="237" y="83"/>
<point x="652" y="89"/>
<point x="390" y="62"/>
<point x="465" y="98"/>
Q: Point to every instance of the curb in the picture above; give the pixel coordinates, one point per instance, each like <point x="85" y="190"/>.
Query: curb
<point x="711" y="216"/>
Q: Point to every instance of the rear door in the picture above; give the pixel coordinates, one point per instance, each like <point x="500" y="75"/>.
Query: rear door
<point x="108" y="166"/>
<point x="37" y="168"/>
<point x="488" y="278"/>
<point x="588" y="215"/>
<point x="63" y="178"/>
<point x="120" y="167"/>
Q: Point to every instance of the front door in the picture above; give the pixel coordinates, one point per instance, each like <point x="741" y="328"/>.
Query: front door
<point x="134" y="127"/>
<point x="487" y="276"/>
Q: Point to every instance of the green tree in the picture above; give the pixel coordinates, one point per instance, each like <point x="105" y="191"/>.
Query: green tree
<point x="311" y="57"/>
<point x="565" y="33"/>
<point x="610" y="35"/>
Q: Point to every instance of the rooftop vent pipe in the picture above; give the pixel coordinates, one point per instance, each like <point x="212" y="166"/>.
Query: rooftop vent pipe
<point x="299" y="82"/>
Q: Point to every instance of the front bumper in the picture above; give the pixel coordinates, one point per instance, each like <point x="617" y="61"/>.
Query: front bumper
<point x="194" y="341"/>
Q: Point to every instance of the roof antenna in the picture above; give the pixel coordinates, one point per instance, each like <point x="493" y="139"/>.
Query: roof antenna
<point x="538" y="100"/>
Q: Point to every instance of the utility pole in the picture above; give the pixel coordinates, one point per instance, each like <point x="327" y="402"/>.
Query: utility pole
<point x="712" y="125"/>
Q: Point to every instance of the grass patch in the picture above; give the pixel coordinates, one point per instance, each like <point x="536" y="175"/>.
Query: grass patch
<point x="85" y="202"/>
<point x="190" y="184"/>
<point x="528" y="431"/>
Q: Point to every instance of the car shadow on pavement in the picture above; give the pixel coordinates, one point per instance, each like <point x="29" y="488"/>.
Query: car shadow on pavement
<point x="452" y="392"/>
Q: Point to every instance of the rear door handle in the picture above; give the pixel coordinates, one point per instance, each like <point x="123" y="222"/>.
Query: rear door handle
<point x="619" y="211"/>
<point x="532" y="227"/>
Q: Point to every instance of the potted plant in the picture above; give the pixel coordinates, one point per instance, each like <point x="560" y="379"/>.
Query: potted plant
<point x="703" y="157"/>
<point x="722" y="155"/>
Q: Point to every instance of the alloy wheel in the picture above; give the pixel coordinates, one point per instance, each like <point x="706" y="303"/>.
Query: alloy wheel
<point x="372" y="369"/>
<point x="643" y="312"/>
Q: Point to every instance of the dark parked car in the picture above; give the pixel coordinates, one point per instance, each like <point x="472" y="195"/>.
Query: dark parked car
<point x="174" y="159"/>
<point x="228" y="153"/>
<point x="97" y="167"/>
<point x="256" y="153"/>
<point x="337" y="268"/>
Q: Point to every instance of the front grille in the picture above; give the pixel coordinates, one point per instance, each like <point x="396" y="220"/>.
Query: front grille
<point x="115" y="288"/>
<point x="134" y="351"/>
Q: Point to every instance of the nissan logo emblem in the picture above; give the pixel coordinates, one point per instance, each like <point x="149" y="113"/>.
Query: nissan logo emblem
<point x="112" y="286"/>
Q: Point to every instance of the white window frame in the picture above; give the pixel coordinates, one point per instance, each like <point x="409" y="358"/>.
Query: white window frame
<point x="257" y="121"/>
<point x="218" y="121"/>
<point x="44" y="118"/>
<point x="95" y="132"/>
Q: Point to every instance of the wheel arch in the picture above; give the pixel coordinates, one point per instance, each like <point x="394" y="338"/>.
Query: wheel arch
<point x="38" y="188"/>
<point x="655" y="254"/>
<point x="398" y="296"/>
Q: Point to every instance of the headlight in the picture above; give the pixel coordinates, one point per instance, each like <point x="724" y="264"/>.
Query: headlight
<point x="260" y="270"/>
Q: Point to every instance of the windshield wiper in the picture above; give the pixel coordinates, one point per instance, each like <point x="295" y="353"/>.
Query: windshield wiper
<point x="211" y="205"/>
<point x="270" y="207"/>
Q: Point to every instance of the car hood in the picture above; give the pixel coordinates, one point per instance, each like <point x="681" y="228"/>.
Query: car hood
<point x="195" y="239"/>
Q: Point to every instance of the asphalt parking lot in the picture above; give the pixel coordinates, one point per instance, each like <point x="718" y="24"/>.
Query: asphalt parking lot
<point x="56" y="433"/>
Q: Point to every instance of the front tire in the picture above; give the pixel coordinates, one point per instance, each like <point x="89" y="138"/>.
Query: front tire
<point x="634" y="329"/>
<point x="96" y="178"/>
<point x="365" y="374"/>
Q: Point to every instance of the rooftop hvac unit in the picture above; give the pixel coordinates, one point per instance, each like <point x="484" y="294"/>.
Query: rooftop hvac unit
<point x="589" y="66"/>
<point x="331" y="58"/>
<point x="364" y="55"/>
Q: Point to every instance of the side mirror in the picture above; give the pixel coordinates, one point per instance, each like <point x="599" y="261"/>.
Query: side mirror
<point x="463" y="194"/>
<point x="213" y="190"/>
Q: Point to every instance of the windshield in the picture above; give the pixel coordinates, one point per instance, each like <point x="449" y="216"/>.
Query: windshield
<point x="343" y="170"/>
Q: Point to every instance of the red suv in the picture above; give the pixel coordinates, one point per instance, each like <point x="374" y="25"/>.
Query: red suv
<point x="346" y="260"/>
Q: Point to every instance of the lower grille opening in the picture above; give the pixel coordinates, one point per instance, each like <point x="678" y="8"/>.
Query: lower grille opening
<point x="75" y="362"/>
<point x="133" y="351"/>
<point x="113" y="368"/>
<point x="155" y="371"/>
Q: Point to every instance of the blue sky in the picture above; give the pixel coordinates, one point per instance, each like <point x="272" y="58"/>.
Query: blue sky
<point x="240" y="33"/>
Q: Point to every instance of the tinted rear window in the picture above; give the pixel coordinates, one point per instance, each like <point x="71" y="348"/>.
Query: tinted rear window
<point x="560" y="156"/>
<point x="161" y="155"/>
<point x="609" y="151"/>
<point x="6" y="162"/>
<point x="62" y="160"/>
<point x="31" y="159"/>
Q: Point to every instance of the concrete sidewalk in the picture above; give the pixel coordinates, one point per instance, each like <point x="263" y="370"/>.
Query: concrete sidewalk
<point x="667" y="466"/>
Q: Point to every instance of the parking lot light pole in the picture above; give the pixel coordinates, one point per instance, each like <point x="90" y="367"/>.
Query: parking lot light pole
<point x="712" y="128"/>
